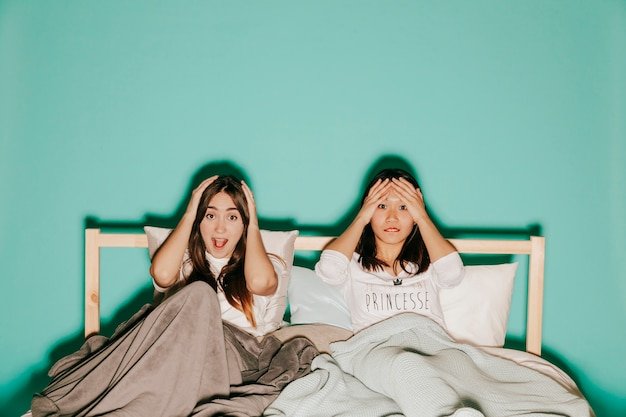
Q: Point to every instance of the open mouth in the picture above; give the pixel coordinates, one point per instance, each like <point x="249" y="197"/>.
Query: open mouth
<point x="392" y="229"/>
<point x="219" y="243"/>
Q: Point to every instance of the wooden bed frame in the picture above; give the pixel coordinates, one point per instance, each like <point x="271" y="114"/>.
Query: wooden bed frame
<point x="534" y="247"/>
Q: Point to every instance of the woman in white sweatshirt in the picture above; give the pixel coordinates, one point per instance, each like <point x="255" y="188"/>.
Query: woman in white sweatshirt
<point x="391" y="259"/>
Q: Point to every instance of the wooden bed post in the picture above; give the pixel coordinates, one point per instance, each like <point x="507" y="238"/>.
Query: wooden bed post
<point x="94" y="240"/>
<point x="92" y="282"/>
<point x="536" y="268"/>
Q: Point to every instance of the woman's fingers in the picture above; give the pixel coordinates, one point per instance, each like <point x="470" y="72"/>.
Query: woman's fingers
<point x="411" y="196"/>
<point x="406" y="190"/>
<point x="203" y="185"/>
<point x="403" y="185"/>
<point x="196" y="194"/>
<point x="379" y="189"/>
<point x="376" y="195"/>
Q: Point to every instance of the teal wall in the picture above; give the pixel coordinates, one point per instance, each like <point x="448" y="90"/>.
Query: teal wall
<point x="511" y="112"/>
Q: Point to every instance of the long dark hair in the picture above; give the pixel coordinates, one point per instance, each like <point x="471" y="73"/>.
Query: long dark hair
<point x="231" y="278"/>
<point x="413" y="251"/>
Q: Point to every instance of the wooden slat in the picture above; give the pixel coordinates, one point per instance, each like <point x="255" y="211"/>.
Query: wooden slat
<point x="312" y="242"/>
<point x="492" y="247"/>
<point x="123" y="240"/>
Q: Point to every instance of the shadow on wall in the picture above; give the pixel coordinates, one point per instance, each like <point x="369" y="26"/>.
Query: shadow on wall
<point x="39" y="379"/>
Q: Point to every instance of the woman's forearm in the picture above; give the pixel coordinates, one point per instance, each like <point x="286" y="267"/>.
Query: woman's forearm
<point x="260" y="275"/>
<point x="346" y="242"/>
<point x="437" y="245"/>
<point x="165" y="268"/>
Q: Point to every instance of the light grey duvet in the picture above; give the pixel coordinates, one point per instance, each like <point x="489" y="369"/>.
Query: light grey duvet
<point x="409" y="366"/>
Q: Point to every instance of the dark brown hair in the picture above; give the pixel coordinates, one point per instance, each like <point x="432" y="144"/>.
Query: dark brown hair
<point x="231" y="279"/>
<point x="413" y="251"/>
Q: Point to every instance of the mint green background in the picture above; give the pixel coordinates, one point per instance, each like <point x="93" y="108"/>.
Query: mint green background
<point x="513" y="114"/>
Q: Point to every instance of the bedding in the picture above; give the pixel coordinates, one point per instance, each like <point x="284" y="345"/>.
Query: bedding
<point x="213" y="367"/>
<point x="477" y="310"/>
<point x="313" y="301"/>
<point x="408" y="365"/>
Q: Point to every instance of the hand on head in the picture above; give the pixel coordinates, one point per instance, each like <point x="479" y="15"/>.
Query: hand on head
<point x="398" y="187"/>
<point x="196" y="194"/>
<point x="251" y="204"/>
<point x="375" y="196"/>
<point x="412" y="197"/>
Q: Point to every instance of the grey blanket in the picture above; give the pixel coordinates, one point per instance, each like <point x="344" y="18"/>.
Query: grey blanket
<point x="409" y="366"/>
<point x="178" y="359"/>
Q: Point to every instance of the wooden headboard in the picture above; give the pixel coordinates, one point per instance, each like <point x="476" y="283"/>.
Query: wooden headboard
<point x="534" y="247"/>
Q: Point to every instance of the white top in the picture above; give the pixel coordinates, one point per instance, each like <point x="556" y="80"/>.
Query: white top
<point x="373" y="296"/>
<point x="268" y="310"/>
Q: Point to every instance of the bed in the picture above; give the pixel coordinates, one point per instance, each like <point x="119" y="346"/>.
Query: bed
<point x="366" y="374"/>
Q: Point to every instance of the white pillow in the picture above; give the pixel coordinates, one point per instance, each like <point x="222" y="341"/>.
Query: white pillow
<point x="156" y="236"/>
<point x="277" y="243"/>
<point x="313" y="301"/>
<point x="477" y="310"/>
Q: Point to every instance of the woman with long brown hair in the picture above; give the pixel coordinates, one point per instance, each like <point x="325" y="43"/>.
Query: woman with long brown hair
<point x="197" y="352"/>
<point x="220" y="229"/>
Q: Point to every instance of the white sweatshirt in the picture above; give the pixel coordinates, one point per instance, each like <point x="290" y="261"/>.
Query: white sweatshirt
<point x="375" y="296"/>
